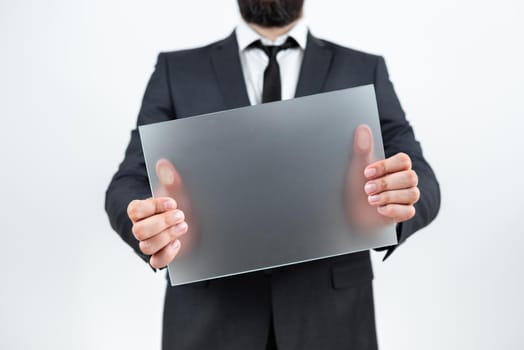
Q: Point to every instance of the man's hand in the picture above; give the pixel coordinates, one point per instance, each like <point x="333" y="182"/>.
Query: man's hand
<point x="379" y="192"/>
<point x="157" y="224"/>
<point x="392" y="187"/>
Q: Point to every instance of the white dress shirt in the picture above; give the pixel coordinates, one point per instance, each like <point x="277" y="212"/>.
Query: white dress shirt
<point x="254" y="61"/>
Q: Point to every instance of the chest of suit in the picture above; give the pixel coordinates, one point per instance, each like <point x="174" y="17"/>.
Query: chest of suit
<point x="211" y="79"/>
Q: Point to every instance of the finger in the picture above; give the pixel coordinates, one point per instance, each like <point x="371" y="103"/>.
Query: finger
<point x="153" y="225"/>
<point x="398" y="162"/>
<point x="165" y="255"/>
<point x="395" y="181"/>
<point x="141" y="209"/>
<point x="397" y="212"/>
<point x="406" y="196"/>
<point x="157" y="242"/>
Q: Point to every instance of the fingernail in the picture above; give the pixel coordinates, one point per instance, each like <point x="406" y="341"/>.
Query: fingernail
<point x="364" y="141"/>
<point x="180" y="227"/>
<point x="369" y="172"/>
<point x="178" y="215"/>
<point x="169" y="204"/>
<point x="381" y="209"/>
<point x="374" y="198"/>
<point x="370" y="187"/>
<point x="176" y="244"/>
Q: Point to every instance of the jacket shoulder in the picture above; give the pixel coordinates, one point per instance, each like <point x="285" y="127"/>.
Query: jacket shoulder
<point x="193" y="54"/>
<point x="360" y="66"/>
<point x="348" y="52"/>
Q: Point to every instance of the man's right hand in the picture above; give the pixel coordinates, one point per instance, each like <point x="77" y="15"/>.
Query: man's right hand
<point x="157" y="224"/>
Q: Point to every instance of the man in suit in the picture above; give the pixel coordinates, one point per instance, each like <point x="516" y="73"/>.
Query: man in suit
<point x="324" y="304"/>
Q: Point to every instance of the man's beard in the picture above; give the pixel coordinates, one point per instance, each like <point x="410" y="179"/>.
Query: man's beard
<point x="270" y="13"/>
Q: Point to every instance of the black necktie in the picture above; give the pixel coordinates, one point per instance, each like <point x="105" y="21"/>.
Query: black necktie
<point x="272" y="86"/>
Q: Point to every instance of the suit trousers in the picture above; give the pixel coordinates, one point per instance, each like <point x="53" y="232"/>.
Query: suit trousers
<point x="259" y="310"/>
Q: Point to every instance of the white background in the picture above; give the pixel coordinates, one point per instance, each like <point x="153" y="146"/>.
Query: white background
<point x="72" y="75"/>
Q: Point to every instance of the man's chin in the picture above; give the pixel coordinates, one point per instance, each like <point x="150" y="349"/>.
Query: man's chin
<point x="268" y="14"/>
<point x="266" y="26"/>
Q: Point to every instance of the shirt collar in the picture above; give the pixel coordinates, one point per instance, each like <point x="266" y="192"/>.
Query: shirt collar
<point x="246" y="35"/>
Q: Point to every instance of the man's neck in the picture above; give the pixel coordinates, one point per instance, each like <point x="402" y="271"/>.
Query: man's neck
<point x="272" y="33"/>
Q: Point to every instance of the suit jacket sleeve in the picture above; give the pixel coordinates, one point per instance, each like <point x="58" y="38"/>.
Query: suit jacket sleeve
<point x="398" y="136"/>
<point x="130" y="181"/>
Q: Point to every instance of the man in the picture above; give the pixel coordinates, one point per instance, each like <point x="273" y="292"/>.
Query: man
<point x="324" y="304"/>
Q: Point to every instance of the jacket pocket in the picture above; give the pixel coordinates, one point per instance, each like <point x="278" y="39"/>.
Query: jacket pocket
<point x="351" y="274"/>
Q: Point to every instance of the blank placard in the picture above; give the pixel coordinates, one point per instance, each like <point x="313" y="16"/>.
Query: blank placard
<point x="268" y="185"/>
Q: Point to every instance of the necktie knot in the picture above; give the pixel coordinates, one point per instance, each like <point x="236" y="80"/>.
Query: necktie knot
<point x="272" y="85"/>
<point x="272" y="50"/>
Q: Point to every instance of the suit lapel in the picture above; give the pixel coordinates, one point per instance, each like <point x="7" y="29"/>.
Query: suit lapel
<point x="228" y="70"/>
<point x="315" y="67"/>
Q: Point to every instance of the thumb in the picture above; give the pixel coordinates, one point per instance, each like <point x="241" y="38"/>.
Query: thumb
<point x="362" y="146"/>
<point x="171" y="185"/>
<point x="361" y="215"/>
<point x="168" y="176"/>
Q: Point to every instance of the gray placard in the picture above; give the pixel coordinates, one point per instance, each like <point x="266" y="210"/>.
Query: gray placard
<point x="268" y="185"/>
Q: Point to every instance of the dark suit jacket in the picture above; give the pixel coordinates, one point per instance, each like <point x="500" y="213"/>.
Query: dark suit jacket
<point x="324" y="304"/>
